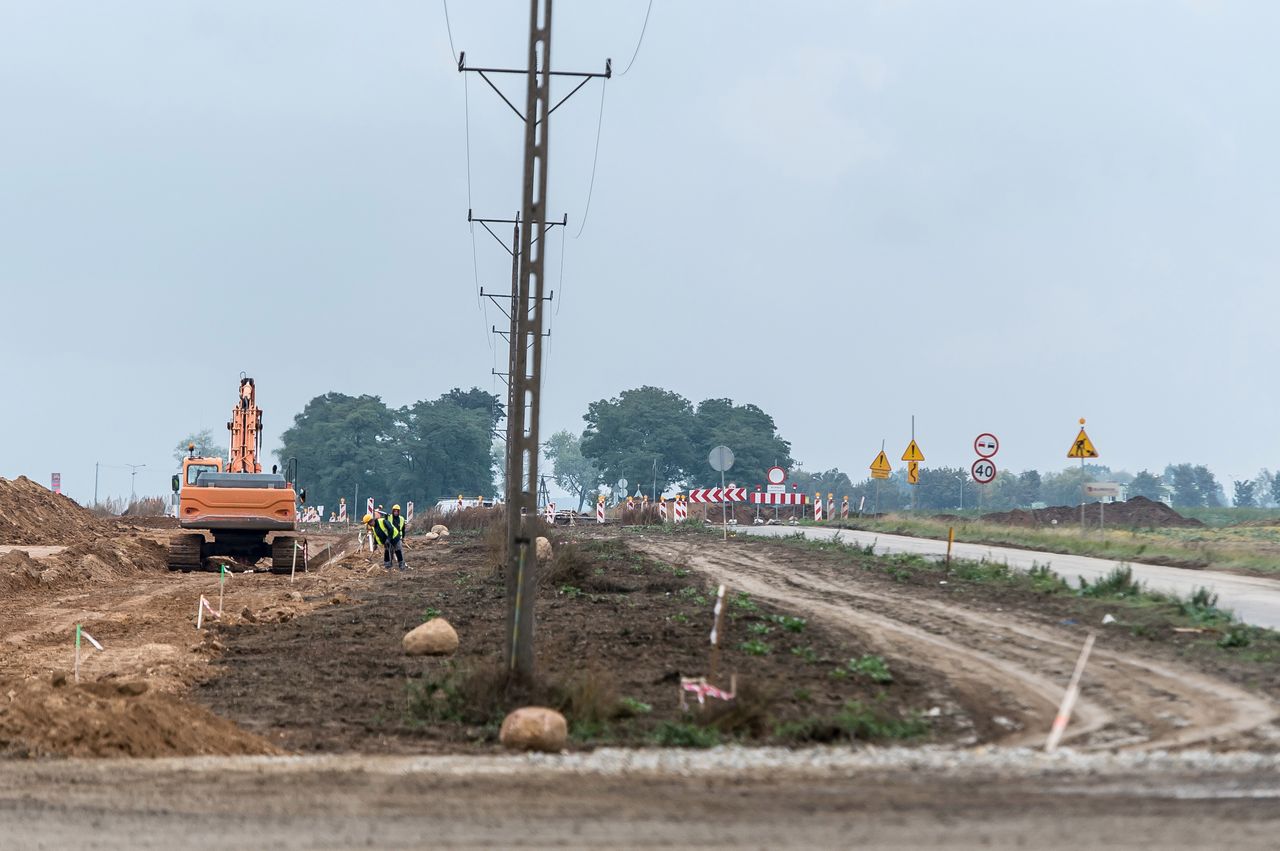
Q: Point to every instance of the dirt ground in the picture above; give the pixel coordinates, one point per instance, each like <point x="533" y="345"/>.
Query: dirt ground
<point x="1136" y="513"/>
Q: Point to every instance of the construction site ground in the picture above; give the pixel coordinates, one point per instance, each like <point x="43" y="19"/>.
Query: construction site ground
<point x="398" y="750"/>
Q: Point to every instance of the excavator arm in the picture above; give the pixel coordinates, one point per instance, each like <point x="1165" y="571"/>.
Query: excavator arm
<point x="245" y="426"/>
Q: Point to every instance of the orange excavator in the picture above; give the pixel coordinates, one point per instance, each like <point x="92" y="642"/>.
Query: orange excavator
<point x="235" y="511"/>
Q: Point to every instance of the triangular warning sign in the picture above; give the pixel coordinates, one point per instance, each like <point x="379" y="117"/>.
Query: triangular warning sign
<point x="1083" y="447"/>
<point x="881" y="464"/>
<point x="913" y="452"/>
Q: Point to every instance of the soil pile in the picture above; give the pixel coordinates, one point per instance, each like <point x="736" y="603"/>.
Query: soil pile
<point x="1137" y="513"/>
<point x="107" y="719"/>
<point x="33" y="514"/>
<point x="93" y="563"/>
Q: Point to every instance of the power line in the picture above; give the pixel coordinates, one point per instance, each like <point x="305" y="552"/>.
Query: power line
<point x="454" y="51"/>
<point x="644" y="27"/>
<point x="591" y="187"/>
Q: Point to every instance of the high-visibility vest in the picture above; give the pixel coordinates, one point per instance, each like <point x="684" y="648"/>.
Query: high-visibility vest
<point x="390" y="528"/>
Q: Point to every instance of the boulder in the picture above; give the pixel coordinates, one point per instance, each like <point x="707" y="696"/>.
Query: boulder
<point x="441" y="530"/>
<point x="534" y="728"/>
<point x="544" y="549"/>
<point x="433" y="638"/>
<point x="430" y="536"/>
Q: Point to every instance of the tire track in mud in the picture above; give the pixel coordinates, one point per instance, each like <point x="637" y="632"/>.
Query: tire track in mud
<point x="1127" y="702"/>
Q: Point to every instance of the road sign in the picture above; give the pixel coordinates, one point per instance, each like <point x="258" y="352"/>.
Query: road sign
<point x="1083" y="447"/>
<point x="775" y="488"/>
<point x="720" y="459"/>
<point x="913" y="472"/>
<point x="1111" y="489"/>
<point x="983" y="471"/>
<point x="881" y="464"/>
<point x="718" y="495"/>
<point x="56" y="482"/>
<point x="986" y="445"/>
<point x="622" y="485"/>
<point x="776" y="476"/>
<point x="913" y="452"/>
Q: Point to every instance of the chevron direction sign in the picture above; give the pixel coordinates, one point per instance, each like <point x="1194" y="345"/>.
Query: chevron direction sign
<point x="718" y="495"/>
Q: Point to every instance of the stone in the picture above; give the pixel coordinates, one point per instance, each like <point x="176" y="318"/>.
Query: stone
<point x="248" y="615"/>
<point x="430" y="536"/>
<point x="436" y="637"/>
<point x="295" y="596"/>
<point x="544" y="549"/>
<point x="441" y="530"/>
<point x="534" y="728"/>
<point x="59" y="678"/>
<point x="133" y="688"/>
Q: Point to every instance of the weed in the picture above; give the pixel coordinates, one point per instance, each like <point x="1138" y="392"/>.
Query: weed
<point x="630" y="707"/>
<point x="679" y="572"/>
<point x="1202" y="607"/>
<point x="1118" y="583"/>
<point x="1043" y="579"/>
<point x="742" y="602"/>
<point x="430" y="614"/>
<point x="755" y="647"/>
<point x="1237" y="636"/>
<point x="674" y="734"/>
<point x="872" y="667"/>
<point x="855" y="720"/>
<point x="759" y="628"/>
<point x="571" y="591"/>
<point x="808" y="654"/>
<point x="802" y="695"/>
<point x="789" y="623"/>
<point x="680" y="617"/>
<point x="838" y="674"/>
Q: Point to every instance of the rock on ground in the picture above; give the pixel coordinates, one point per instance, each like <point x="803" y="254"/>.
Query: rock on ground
<point x="544" y="549"/>
<point x="436" y="637"/>
<point x="430" y="536"/>
<point x="441" y="530"/>
<point x="534" y="728"/>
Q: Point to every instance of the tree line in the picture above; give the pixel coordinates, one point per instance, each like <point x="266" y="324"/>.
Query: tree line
<point x="358" y="445"/>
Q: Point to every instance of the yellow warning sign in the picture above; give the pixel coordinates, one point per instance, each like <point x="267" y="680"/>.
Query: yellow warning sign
<point x="913" y="471"/>
<point x="1083" y="447"/>
<point x="913" y="452"/>
<point x="881" y="464"/>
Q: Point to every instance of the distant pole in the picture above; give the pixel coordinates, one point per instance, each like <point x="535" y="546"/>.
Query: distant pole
<point x="133" y="475"/>
<point x="96" y="464"/>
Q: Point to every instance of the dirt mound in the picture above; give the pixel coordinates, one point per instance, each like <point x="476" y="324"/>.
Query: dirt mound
<point x="112" y="719"/>
<point x="1138" y="513"/>
<point x="33" y="514"/>
<point x="94" y="562"/>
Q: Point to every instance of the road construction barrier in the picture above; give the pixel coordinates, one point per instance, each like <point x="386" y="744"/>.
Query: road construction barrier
<point x="368" y="506"/>
<point x="844" y="508"/>
<point x="662" y="509"/>
<point x="831" y="506"/>
<point x="817" y="507"/>
<point x="631" y="504"/>
<point x="459" y="502"/>
<point x="551" y="513"/>
<point x="681" y="509"/>
<point x="342" y="510"/>
<point x="600" y="509"/>
<point x="408" y="514"/>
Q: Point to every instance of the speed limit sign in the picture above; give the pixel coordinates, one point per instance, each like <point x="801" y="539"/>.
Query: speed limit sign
<point x="984" y="471"/>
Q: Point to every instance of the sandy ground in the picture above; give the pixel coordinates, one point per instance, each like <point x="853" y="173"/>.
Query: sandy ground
<point x="382" y="802"/>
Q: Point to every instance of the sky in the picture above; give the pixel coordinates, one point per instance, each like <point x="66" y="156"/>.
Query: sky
<point x="996" y="216"/>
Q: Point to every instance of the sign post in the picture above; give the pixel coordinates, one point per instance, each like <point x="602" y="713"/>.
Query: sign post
<point x="1082" y="448"/>
<point x="913" y="456"/>
<point x="880" y="469"/>
<point x="721" y="459"/>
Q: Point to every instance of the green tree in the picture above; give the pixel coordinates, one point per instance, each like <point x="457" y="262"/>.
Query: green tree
<point x="204" y="443"/>
<point x="1244" y="494"/>
<point x="1067" y="487"/>
<point x="829" y="481"/>
<point x="1207" y="484"/>
<point x="441" y="448"/>
<point x="478" y="400"/>
<point x="1145" y="484"/>
<point x="939" y="488"/>
<point x="745" y="429"/>
<point x="626" y="434"/>
<point x="573" y="471"/>
<point x="342" y="444"/>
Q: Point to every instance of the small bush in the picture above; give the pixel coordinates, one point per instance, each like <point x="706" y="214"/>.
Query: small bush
<point x="431" y="613"/>
<point x="742" y="602"/>
<point x="1237" y="636"/>
<point x="789" y="623"/>
<point x="674" y="734"/>
<point x="808" y="654"/>
<point x="759" y="628"/>
<point x="629" y="707"/>
<point x="872" y="667"/>
<point x="1118" y="583"/>
<point x="855" y="720"/>
<point x="1202" y="607"/>
<point x="755" y="647"/>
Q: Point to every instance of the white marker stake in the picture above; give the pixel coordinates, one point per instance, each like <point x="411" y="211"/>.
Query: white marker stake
<point x="200" y="612"/>
<point x="77" y="665"/>
<point x="294" y="569"/>
<point x="222" y="580"/>
<point x="715" y="631"/>
<point x="1069" y="699"/>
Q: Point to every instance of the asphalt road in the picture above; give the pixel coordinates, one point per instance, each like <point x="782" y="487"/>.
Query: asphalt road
<point x="1253" y="599"/>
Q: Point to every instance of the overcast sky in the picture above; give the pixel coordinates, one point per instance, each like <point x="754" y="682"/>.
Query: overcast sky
<point x="995" y="215"/>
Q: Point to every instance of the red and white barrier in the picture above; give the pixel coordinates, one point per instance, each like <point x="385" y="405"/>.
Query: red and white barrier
<point x="831" y="506"/>
<point x="600" y="510"/>
<point x="817" y="508"/>
<point x="368" y="506"/>
<point x="662" y="509"/>
<point x="551" y="513"/>
<point x="844" y="508"/>
<point x="681" y="510"/>
<point x="780" y="498"/>
<point x="408" y="514"/>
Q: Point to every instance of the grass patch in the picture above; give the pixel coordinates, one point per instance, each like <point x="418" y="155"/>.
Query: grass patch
<point x="872" y="667"/>
<point x="857" y="720"/>
<point x="681" y="734"/>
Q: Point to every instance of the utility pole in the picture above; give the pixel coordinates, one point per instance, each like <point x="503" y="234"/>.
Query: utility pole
<point x="96" y="464"/>
<point x="524" y="379"/>
<point x="133" y="475"/>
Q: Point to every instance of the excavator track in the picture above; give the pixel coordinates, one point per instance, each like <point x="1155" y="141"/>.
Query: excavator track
<point x="186" y="552"/>
<point x="282" y="554"/>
